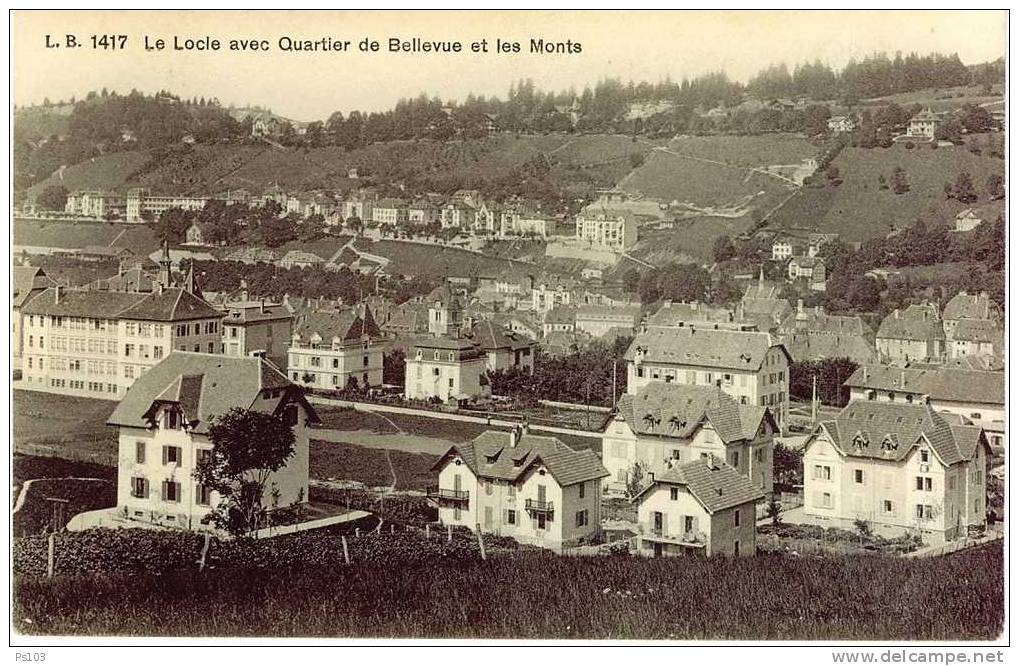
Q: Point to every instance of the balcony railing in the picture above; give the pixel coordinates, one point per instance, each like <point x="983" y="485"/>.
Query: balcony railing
<point x="692" y="538"/>
<point x="435" y="492"/>
<point x="538" y="506"/>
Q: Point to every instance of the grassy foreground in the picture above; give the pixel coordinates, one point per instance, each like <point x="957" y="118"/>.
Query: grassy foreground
<point x="535" y="595"/>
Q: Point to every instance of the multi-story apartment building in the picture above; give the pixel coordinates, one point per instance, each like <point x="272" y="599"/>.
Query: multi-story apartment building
<point x="913" y="334"/>
<point x="701" y="507"/>
<point x="613" y="229"/>
<point x="361" y="208"/>
<point x="29" y="282"/>
<point x="597" y="320"/>
<point x="748" y="365"/>
<point x="665" y="424"/>
<point x="445" y="311"/>
<point x="257" y="327"/>
<point x="95" y="204"/>
<point x="331" y="350"/>
<point x="97" y="343"/>
<point x="141" y="204"/>
<point x="976" y="395"/>
<point x="899" y="467"/>
<point x="444" y="368"/>
<point x="534" y="489"/>
<point x="972" y="324"/>
<point x="459" y="214"/>
<point x="389" y="211"/>
<point x="163" y="422"/>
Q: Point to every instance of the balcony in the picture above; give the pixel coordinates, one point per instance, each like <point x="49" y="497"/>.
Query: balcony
<point x="692" y="539"/>
<point x="445" y="494"/>
<point x="537" y="506"/>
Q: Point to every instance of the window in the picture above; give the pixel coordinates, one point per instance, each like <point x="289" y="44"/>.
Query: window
<point x="488" y="487"/>
<point x="172" y="420"/>
<point x="924" y="483"/>
<point x="157" y="352"/>
<point x="822" y="472"/>
<point x="735" y="548"/>
<point x="735" y="518"/>
<point x="139" y="452"/>
<point x="925" y="455"/>
<point x="826" y="500"/>
<point x="290" y="415"/>
<point x="30" y="341"/>
<point x="171" y="455"/>
<point x="735" y="459"/>
<point x="582" y="518"/>
<point x="640" y="372"/>
<point x="129" y="350"/>
<point x="858" y="475"/>
<point x="674" y="494"/>
<point x="139" y="487"/>
<point x="450" y="382"/>
<point x="171" y="491"/>
<point x="583" y="488"/>
<point x="924" y="512"/>
<point x="203" y="495"/>
<point x="887" y="507"/>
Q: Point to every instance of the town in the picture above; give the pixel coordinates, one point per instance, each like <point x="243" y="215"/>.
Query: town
<point x="707" y="323"/>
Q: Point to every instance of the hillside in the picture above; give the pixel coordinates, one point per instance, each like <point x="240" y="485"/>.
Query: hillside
<point x="857" y="209"/>
<point x="556" y="166"/>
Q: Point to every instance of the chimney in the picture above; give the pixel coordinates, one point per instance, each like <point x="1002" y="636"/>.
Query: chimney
<point x="896" y="313"/>
<point x="651" y="476"/>
<point x="514" y="436"/>
<point x="902" y="379"/>
<point x="261" y="306"/>
<point x="866" y="373"/>
<point x="56" y="295"/>
<point x="799" y="306"/>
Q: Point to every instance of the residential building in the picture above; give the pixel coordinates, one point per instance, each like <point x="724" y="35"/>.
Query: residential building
<point x="816" y="320"/>
<point x="898" y="467"/>
<point x="141" y="205"/>
<point x="615" y="229"/>
<point x="445" y="311"/>
<point x="195" y="234"/>
<point x="445" y="369"/>
<point x="967" y="220"/>
<point x="301" y="259"/>
<point x="257" y="327"/>
<point x="972" y="324"/>
<point x="459" y="214"/>
<point x="560" y="319"/>
<point x="810" y="269"/>
<point x="29" y="282"/>
<point x="389" y="211"/>
<point x="534" y="489"/>
<point x="597" y="320"/>
<point x="95" y="204"/>
<point x="818" y="346"/>
<point x="331" y="350"/>
<point x="504" y="349"/>
<point x="690" y="314"/>
<point x="702" y="507"/>
<point x="164" y="420"/>
<point x="748" y="365"/>
<point x="663" y="424"/>
<point x="422" y="213"/>
<point x="913" y="334"/>
<point x="762" y="306"/>
<point x="924" y="125"/>
<point x="545" y="295"/>
<point x="841" y="124"/>
<point x="976" y="395"/>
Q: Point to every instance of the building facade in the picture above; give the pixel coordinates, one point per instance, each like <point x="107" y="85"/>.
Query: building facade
<point x="337" y="350"/>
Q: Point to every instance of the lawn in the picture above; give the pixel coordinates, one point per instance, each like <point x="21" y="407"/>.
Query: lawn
<point x="350" y="462"/>
<point x="528" y="594"/>
<point x="858" y="209"/>
<point x="64" y="426"/>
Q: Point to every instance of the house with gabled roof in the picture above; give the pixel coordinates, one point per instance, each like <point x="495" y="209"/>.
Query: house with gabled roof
<point x="750" y="366"/>
<point x="504" y="349"/>
<point x="664" y="424"/>
<point x="701" y="507"/>
<point x="534" y="489"/>
<point x="899" y="467"/>
<point x="337" y="349"/>
<point x="163" y="422"/>
<point x="913" y="334"/>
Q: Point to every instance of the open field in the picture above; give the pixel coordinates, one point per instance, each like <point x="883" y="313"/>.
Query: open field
<point x="536" y="595"/>
<point x="139" y="239"/>
<point x="64" y="426"/>
<point x="749" y="151"/>
<point x="940" y="99"/>
<point x="858" y="210"/>
<point x="691" y="241"/>
<point x="417" y="259"/>
<point x="105" y="172"/>
<point x="350" y="462"/>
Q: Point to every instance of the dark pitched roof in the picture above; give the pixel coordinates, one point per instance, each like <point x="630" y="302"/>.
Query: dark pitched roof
<point x="812" y="345"/>
<point x="490" y="456"/>
<point x="346" y="325"/>
<point x="736" y="350"/>
<point x="491" y="337"/>
<point x="938" y="382"/>
<point x="173" y="304"/>
<point x="714" y="484"/>
<point x="971" y="306"/>
<point x="978" y="330"/>
<point x="674" y="314"/>
<point x="679" y="410"/>
<point x="80" y="303"/>
<point x="917" y="322"/>
<point x="249" y="312"/>
<point x="889" y="431"/>
<point x="205" y="386"/>
<point x="28" y="279"/>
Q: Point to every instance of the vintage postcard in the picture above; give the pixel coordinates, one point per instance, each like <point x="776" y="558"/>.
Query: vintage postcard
<point x="510" y="325"/>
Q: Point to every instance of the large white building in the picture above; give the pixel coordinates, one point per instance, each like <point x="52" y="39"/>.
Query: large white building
<point x="534" y="489"/>
<point x="257" y="327"/>
<point x="163" y="422"/>
<point x="141" y="204"/>
<point x="901" y="467"/>
<point x="97" y="343"/>
<point x="748" y="365"/>
<point x="446" y="369"/>
<point x="615" y="229"/>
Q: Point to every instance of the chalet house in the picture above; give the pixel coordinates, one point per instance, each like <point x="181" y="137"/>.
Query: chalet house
<point x="164" y="421"/>
<point x="975" y="395"/>
<point x="748" y="365"/>
<point x="967" y="220"/>
<point x="841" y="124"/>
<point x="913" y="334"/>
<point x="534" y="489"/>
<point x="702" y="507"/>
<point x="195" y="235"/>
<point x="898" y="467"/>
<point x="810" y="269"/>
<point x="448" y="369"/>
<point x="504" y="350"/>
<point x="334" y="350"/>
<point x="924" y="125"/>
<point x="664" y="424"/>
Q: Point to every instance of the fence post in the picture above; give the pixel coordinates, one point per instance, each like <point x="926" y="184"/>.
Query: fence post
<point x="378" y="529"/>
<point x="392" y="528"/>
<point x="357" y="532"/>
<point x="481" y="541"/>
<point x="50" y="553"/>
<point x="428" y="531"/>
<point x="449" y="533"/>
<point x="346" y="553"/>
<point x="205" y="551"/>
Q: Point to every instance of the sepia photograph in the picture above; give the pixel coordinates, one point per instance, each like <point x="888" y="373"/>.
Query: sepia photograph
<point x="588" y="327"/>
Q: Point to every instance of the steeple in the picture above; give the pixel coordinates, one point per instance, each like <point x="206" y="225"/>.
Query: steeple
<point x="190" y="284"/>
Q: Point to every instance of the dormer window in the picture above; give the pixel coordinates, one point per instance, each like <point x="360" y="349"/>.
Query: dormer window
<point x="172" y="420"/>
<point x="860" y="441"/>
<point x="417" y="355"/>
